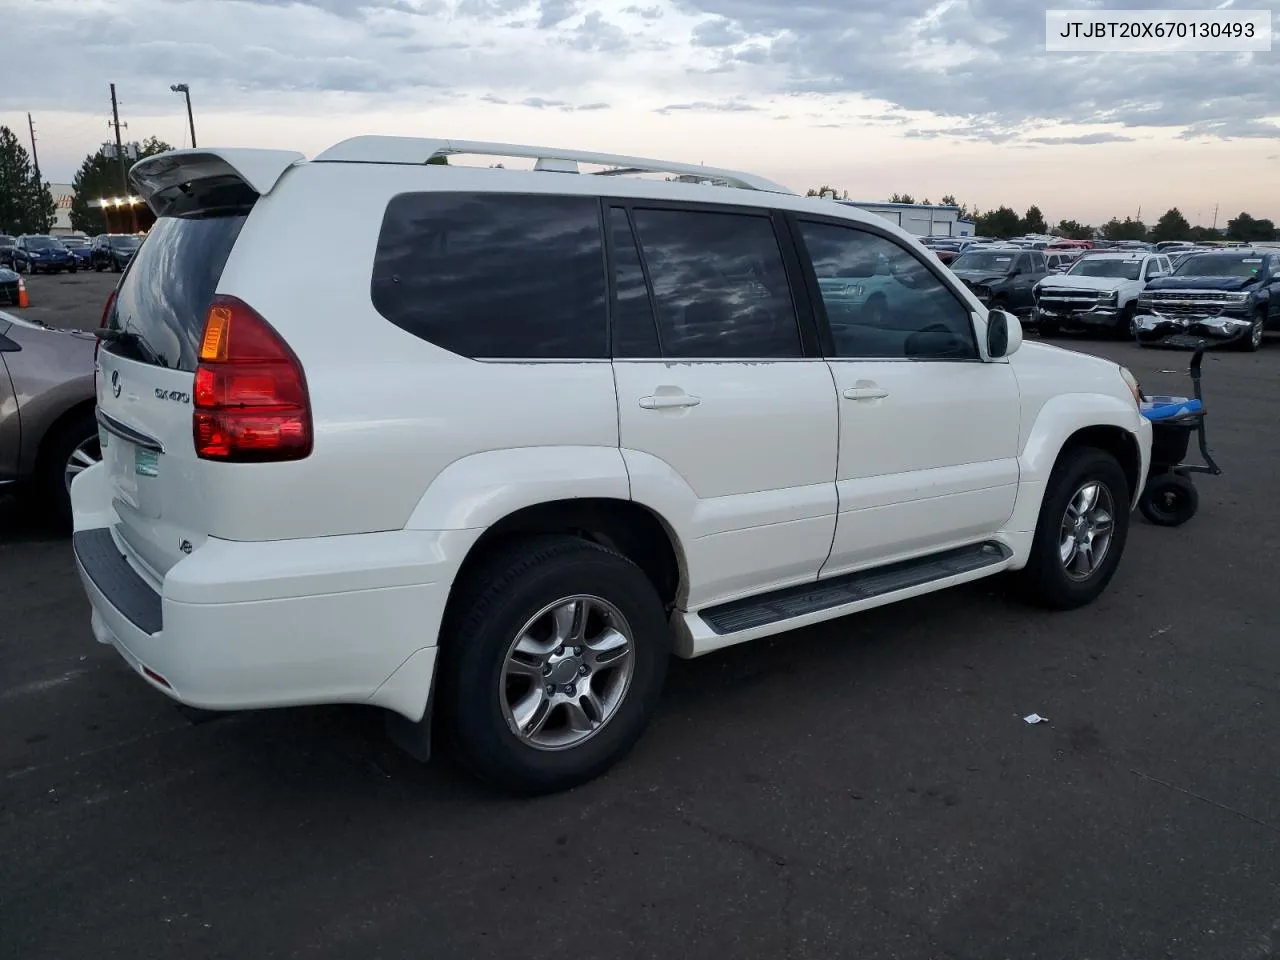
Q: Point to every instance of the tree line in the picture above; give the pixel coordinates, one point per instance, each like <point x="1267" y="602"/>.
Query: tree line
<point x="26" y="202"/>
<point x="1004" y="222"/>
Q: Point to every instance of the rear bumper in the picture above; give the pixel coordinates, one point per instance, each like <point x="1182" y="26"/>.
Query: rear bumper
<point x="243" y="625"/>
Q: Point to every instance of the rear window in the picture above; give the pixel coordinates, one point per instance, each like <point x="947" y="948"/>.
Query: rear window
<point x="495" y="276"/>
<point x="164" y="297"/>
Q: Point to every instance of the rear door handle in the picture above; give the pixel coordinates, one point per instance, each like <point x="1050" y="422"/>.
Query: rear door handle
<point x="669" y="401"/>
<point x="865" y="393"/>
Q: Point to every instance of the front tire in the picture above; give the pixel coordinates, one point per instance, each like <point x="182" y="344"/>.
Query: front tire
<point x="1081" y="533"/>
<point x="556" y="651"/>
<point x="1253" y="342"/>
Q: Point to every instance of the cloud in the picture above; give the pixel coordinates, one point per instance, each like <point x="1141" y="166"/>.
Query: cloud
<point x="719" y="32"/>
<point x="644" y="13"/>
<point x="1082" y="140"/>
<point x="1235" y="127"/>
<point x="597" y="35"/>
<point x="705" y="106"/>
<point x="555" y="12"/>
<point x="984" y="60"/>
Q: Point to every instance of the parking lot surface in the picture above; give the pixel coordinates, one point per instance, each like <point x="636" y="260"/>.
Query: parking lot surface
<point x="866" y="788"/>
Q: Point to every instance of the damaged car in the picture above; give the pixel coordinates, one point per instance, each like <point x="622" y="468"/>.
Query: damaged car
<point x="1216" y="296"/>
<point x="1099" y="292"/>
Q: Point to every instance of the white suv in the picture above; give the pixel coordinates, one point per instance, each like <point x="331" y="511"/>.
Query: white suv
<point x="536" y="430"/>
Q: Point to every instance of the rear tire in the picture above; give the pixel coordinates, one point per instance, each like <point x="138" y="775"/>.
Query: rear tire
<point x="482" y="695"/>
<point x="1053" y="579"/>
<point x="77" y="436"/>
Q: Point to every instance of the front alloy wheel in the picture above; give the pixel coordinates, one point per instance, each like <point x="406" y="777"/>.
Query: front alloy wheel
<point x="1087" y="526"/>
<point x="83" y="456"/>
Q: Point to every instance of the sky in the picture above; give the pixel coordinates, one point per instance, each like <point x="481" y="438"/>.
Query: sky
<point x="927" y="97"/>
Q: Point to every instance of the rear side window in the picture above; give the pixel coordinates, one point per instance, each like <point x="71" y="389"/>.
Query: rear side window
<point x="719" y="285"/>
<point x="164" y="297"/>
<point x="495" y="276"/>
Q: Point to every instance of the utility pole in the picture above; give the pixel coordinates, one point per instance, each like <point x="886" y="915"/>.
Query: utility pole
<point x="35" y="160"/>
<point x="1215" y="217"/>
<point x="115" y="122"/>
<point x="124" y="169"/>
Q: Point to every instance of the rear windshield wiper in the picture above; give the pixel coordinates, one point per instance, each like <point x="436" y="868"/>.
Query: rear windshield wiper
<point x="133" y="339"/>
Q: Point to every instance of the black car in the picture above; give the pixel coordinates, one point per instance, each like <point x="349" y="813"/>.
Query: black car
<point x="113" y="251"/>
<point x="37" y="252"/>
<point x="7" y="245"/>
<point x="1002" y="277"/>
<point x="1215" y="295"/>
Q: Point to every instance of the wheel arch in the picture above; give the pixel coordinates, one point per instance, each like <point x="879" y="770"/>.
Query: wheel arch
<point x="624" y="526"/>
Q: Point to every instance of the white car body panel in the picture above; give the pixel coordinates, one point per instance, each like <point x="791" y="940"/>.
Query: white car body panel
<point x="758" y="455"/>
<point x="326" y="579"/>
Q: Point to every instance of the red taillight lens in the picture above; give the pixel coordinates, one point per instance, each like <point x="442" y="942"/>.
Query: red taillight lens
<point x="250" y="396"/>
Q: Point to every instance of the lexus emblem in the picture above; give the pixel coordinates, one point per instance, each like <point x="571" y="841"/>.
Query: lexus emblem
<point x="115" y="383"/>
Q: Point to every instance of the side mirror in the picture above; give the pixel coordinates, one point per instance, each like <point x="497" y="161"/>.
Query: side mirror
<point x="1004" y="334"/>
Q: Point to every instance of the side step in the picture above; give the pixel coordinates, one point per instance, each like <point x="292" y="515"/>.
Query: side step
<point x="751" y="612"/>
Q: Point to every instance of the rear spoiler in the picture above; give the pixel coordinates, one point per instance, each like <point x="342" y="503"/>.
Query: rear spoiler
<point x="158" y="176"/>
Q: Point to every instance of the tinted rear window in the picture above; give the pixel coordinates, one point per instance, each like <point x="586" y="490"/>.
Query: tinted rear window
<point x="495" y="276"/>
<point x="165" y="295"/>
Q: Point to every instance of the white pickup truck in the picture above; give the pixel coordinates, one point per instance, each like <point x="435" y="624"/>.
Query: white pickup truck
<point x="1099" y="292"/>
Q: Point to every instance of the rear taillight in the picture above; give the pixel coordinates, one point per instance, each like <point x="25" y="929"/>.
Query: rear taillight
<point x="250" y="395"/>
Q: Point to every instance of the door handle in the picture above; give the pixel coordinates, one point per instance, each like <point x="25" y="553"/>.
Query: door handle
<point x="669" y="401"/>
<point x="865" y="393"/>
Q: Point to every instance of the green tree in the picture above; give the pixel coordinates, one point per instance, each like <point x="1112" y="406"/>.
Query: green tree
<point x="1172" y="226"/>
<point x="827" y="188"/>
<point x="440" y="161"/>
<point x="1245" y="228"/>
<point x="1002" y="223"/>
<point x="1128" y="229"/>
<point x="1033" y="222"/>
<point x="98" y="177"/>
<point x="1074" y="230"/>
<point x="902" y="198"/>
<point x="26" y="204"/>
<point x="1200" y="234"/>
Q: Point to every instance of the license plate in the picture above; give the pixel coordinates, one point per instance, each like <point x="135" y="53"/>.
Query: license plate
<point x="146" y="463"/>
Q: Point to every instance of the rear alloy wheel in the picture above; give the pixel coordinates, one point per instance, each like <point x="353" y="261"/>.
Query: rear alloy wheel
<point x="63" y="456"/>
<point x="1081" y="532"/>
<point x="555" y="652"/>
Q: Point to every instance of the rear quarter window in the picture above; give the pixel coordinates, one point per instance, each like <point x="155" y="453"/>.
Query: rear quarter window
<point x="495" y="276"/>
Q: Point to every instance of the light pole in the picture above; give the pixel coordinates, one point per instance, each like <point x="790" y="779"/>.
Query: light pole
<point x="183" y="89"/>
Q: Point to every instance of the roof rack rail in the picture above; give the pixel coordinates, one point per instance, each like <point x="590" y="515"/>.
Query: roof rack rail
<point x="418" y="150"/>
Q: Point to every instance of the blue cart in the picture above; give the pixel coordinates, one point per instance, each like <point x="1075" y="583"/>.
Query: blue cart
<point x="1169" y="498"/>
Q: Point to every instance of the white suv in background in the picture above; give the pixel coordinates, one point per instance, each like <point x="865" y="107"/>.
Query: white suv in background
<point x="540" y="429"/>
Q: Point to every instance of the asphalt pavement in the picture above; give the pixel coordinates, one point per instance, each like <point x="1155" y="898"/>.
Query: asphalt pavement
<point x="863" y="789"/>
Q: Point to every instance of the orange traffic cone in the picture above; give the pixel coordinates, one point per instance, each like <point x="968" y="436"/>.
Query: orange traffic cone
<point x="23" y="299"/>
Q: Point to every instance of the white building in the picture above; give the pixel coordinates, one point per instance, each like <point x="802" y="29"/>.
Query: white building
<point x="63" y="194"/>
<point x="922" y="219"/>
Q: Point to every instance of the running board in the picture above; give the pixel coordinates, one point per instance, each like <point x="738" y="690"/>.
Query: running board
<point x="790" y="602"/>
